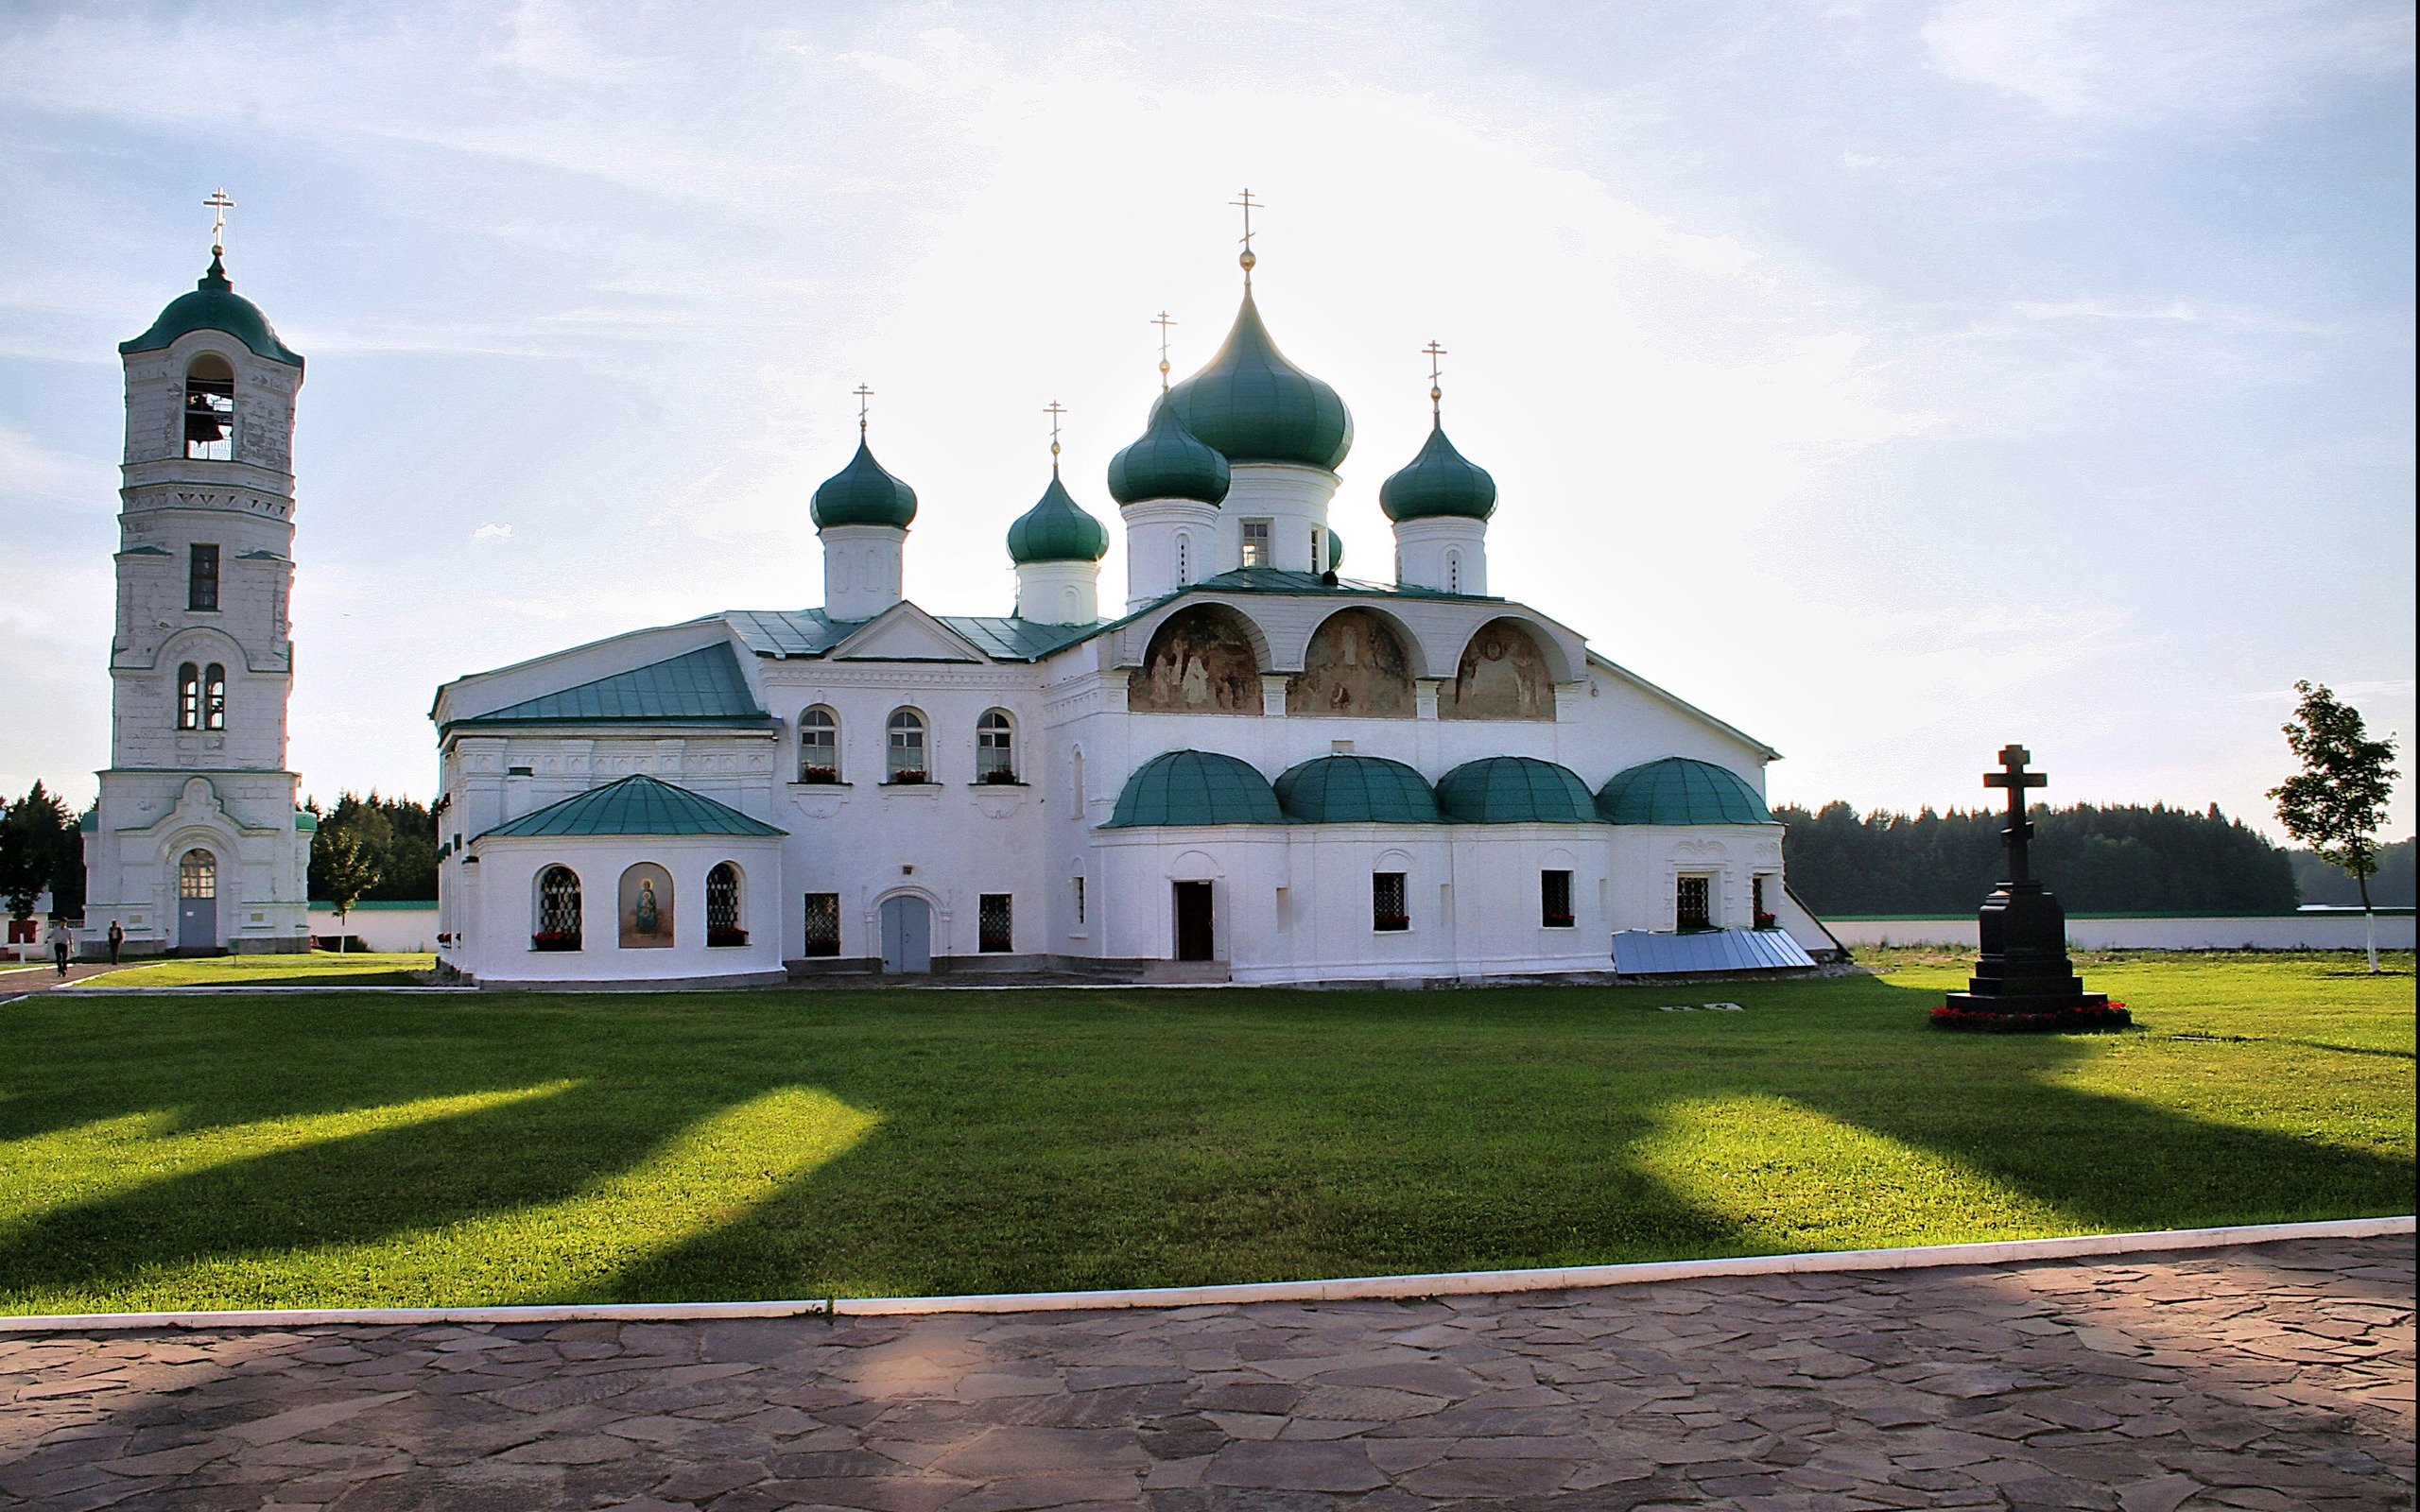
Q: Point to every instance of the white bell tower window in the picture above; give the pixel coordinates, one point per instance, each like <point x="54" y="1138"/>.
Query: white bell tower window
<point x="1255" y="544"/>
<point x="210" y="409"/>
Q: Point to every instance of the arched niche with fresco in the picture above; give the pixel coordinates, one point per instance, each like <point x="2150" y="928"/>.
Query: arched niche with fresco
<point x="1504" y="675"/>
<point x="1200" y="662"/>
<point x="1354" y="668"/>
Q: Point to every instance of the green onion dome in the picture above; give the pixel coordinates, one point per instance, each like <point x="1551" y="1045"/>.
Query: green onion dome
<point x="1356" y="790"/>
<point x="213" y="306"/>
<point x="1057" y="529"/>
<point x="1439" y="483"/>
<point x="1335" y="549"/>
<point x="1677" y="790"/>
<point x="1167" y="462"/>
<point x="1253" y="406"/>
<point x="1515" y="790"/>
<point x="863" y="494"/>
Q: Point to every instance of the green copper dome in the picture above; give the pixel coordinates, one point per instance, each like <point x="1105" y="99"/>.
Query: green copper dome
<point x="1515" y="790"/>
<point x="1677" y="790"/>
<point x="1439" y="482"/>
<point x="863" y="494"/>
<point x="1253" y="406"/>
<point x="1195" y="788"/>
<point x="1357" y="790"/>
<point x="1169" y="462"/>
<point x="213" y="306"/>
<point x="1335" y="549"/>
<point x="1057" y="529"/>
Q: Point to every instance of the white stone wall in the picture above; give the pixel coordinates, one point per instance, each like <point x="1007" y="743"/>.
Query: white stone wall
<point x="1293" y="499"/>
<point x="1059" y="592"/>
<point x="1448" y="554"/>
<point x="1169" y="542"/>
<point x="498" y="912"/>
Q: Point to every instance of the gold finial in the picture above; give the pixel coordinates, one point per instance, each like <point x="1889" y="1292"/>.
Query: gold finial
<point x="1249" y="204"/>
<point x="863" y="394"/>
<point x="1435" y="354"/>
<point x="220" y="204"/>
<point x="1054" y="409"/>
<point x="1163" y="320"/>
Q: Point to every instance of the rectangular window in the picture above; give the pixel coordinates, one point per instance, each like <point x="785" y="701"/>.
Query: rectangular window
<point x="202" y="579"/>
<point x="995" y="924"/>
<point x="823" y="923"/>
<point x="1757" y="903"/>
<point x="1695" y="903"/>
<point x="1387" y="909"/>
<point x="1256" y="543"/>
<point x="1554" y="899"/>
<point x="1079" y="903"/>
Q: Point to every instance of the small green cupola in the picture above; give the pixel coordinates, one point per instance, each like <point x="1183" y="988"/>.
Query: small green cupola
<point x="1169" y="462"/>
<point x="1440" y="483"/>
<point x="863" y="494"/>
<point x="213" y="306"/>
<point x="1253" y="406"/>
<point x="1057" y="529"/>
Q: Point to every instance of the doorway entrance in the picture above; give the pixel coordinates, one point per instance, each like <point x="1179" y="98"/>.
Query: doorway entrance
<point x="198" y="902"/>
<point x="906" y="936"/>
<point x="1196" y="937"/>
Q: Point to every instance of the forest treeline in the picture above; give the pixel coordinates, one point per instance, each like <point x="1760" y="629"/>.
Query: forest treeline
<point x="398" y="834"/>
<point x="2098" y="860"/>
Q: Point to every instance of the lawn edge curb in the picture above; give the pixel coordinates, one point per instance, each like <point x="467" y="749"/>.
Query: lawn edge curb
<point x="1343" y="1289"/>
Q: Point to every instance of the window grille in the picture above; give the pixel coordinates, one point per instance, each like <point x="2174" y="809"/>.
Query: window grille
<point x="197" y="875"/>
<point x="995" y="758"/>
<point x="214" y="698"/>
<point x="201" y="577"/>
<point x="1080" y="901"/>
<point x="823" y="923"/>
<point x="1184" y="559"/>
<point x="995" y="923"/>
<point x="188" y="696"/>
<point x="210" y="409"/>
<point x="1695" y="903"/>
<point x="1255" y="544"/>
<point x="723" y="906"/>
<point x="558" y="911"/>
<point x="907" y="747"/>
<point x="819" y="746"/>
<point x="1554" y="900"/>
<point x="1387" y="909"/>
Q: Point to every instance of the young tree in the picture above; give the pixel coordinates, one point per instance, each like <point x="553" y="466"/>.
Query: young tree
<point x="350" y="870"/>
<point x="2335" y="803"/>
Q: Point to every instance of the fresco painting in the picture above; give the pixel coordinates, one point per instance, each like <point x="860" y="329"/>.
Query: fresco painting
<point x="1503" y="675"/>
<point x="645" y="912"/>
<point x="1355" y="667"/>
<point x="1199" y="662"/>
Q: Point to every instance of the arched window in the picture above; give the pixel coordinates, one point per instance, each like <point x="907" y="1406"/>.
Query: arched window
<point x="906" y="748"/>
<point x="819" y="746"/>
<point x="197" y="875"/>
<point x="558" y="911"/>
<point x="723" y="906"/>
<point x="210" y="409"/>
<point x="188" y="696"/>
<point x="214" y="698"/>
<point x="995" y="753"/>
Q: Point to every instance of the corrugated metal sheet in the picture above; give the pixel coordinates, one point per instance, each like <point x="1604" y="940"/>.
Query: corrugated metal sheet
<point x="1638" y="953"/>
<point x="636" y="805"/>
<point x="809" y="633"/>
<point x="704" y="686"/>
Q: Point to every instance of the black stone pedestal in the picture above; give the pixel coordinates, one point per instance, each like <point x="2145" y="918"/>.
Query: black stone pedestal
<point x="2025" y="979"/>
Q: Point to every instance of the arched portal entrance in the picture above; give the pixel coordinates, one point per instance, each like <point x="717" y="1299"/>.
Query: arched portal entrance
<point x="906" y="935"/>
<point x="198" y="901"/>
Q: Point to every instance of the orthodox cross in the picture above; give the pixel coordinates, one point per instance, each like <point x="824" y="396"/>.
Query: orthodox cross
<point x="1248" y="204"/>
<point x="2014" y="777"/>
<point x="1163" y="320"/>
<point x="1435" y="354"/>
<point x="863" y="394"/>
<point x="1054" y="409"/>
<point x="219" y="204"/>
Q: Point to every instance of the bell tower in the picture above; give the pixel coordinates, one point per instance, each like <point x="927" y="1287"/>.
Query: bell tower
<point x="195" y="843"/>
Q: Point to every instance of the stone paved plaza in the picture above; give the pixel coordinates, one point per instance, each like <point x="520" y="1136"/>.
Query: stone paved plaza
<point x="2277" y="1376"/>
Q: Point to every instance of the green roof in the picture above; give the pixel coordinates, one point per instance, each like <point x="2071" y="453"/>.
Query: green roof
<point x="701" y="687"/>
<point x="1439" y="483"/>
<point x="1195" y="788"/>
<point x="305" y="822"/>
<point x="1678" y="790"/>
<point x="1167" y="462"/>
<point x="1253" y="406"/>
<point x="1057" y="529"/>
<point x="1357" y="790"/>
<point x="636" y="805"/>
<point x="1515" y="790"/>
<point x="863" y="494"/>
<point x="213" y="306"/>
<point x="810" y="632"/>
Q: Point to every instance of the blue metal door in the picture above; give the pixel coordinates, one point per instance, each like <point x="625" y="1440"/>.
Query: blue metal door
<point x="906" y="936"/>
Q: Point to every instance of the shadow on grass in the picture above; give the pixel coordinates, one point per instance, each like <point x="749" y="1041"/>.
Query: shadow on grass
<point x="1040" y="1140"/>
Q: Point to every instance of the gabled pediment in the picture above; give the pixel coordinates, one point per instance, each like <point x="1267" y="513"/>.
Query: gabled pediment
<point x="902" y="632"/>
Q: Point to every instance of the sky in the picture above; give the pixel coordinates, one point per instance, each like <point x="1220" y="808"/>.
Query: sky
<point x="1892" y="381"/>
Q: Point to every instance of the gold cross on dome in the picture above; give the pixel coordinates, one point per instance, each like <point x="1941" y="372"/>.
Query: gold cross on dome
<point x="1435" y="354"/>
<point x="863" y="394"/>
<point x="219" y="204"/>
<point x="1249" y="204"/>
<point x="1163" y="320"/>
<point x="1054" y="409"/>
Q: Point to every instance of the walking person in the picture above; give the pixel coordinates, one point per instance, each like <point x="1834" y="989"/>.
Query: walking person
<point x="62" y="942"/>
<point x="117" y="937"/>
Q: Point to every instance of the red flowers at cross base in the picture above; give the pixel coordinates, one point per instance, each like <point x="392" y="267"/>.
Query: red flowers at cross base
<point x="2082" y="1018"/>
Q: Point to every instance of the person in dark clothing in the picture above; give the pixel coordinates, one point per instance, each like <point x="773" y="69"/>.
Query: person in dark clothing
<point x="117" y="937"/>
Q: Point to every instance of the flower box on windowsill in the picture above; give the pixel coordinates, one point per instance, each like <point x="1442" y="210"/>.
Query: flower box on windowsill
<point x="555" y="939"/>
<point x="818" y="776"/>
<point x="1392" y="924"/>
<point x="1768" y="921"/>
<point x="1000" y="779"/>
<point x="910" y="779"/>
<point x="1559" y="922"/>
<point x="716" y="937"/>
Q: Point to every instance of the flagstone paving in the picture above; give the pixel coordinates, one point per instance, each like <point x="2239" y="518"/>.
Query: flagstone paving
<point x="2277" y="1376"/>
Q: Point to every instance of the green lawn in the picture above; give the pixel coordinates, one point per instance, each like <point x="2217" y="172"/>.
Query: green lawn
<point x="317" y="967"/>
<point x="324" y="1150"/>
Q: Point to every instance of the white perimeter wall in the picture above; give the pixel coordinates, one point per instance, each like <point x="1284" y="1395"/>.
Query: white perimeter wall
<point x="2279" y="932"/>
<point x="411" y="929"/>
